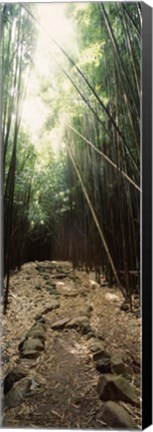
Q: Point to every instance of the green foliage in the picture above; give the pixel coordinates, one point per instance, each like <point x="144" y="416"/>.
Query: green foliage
<point x="98" y="96"/>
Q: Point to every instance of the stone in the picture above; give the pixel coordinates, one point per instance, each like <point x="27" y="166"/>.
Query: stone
<point x="95" y="345"/>
<point x="13" y="376"/>
<point x="112" y="297"/>
<point x="53" y="305"/>
<point x="77" y="321"/>
<point x="98" y="355"/>
<point x="18" y="393"/>
<point x="40" y="318"/>
<point x="86" y="311"/>
<point x="117" y="417"/>
<point x="115" y="388"/>
<point x="39" y="325"/>
<point x="125" y="307"/>
<point x="117" y="365"/>
<point x="58" y="284"/>
<point x="60" y="324"/>
<point x="81" y="323"/>
<point x="31" y="345"/>
<point x="71" y="294"/>
<point x="103" y="365"/>
<point x="93" y="284"/>
<point x="37" y="331"/>
<point x="30" y="354"/>
<point x="84" y="328"/>
<point x="90" y="335"/>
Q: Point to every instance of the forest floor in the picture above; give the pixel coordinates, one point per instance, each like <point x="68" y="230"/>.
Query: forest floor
<point x="64" y="378"/>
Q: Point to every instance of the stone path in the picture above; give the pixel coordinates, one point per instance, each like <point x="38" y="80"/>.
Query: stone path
<point x="66" y="374"/>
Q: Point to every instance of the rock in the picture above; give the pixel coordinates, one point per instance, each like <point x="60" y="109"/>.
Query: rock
<point x="117" y="364"/>
<point x="98" y="355"/>
<point x="39" y="325"/>
<point x="60" y="324"/>
<point x="30" y="346"/>
<point x="71" y="294"/>
<point x="53" y="305"/>
<point x="18" y="393"/>
<point x="90" y="335"/>
<point x="40" y="318"/>
<point x="84" y="328"/>
<point x="37" y="331"/>
<point x="95" y="345"/>
<point x="112" y="297"/>
<point x="93" y="284"/>
<point x="75" y="322"/>
<point x="115" y="388"/>
<point x="58" y="284"/>
<point x="81" y="323"/>
<point x="125" y="307"/>
<point x="104" y="365"/>
<point x="13" y="376"/>
<point x="86" y="311"/>
<point x="117" y="417"/>
<point x="30" y="354"/>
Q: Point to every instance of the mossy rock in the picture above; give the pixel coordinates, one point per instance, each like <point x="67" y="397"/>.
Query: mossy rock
<point x="115" y="388"/>
<point x="18" y="393"/>
<point x="117" y="417"/>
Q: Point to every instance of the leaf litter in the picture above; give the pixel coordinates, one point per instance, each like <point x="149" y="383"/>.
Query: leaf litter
<point x="64" y="377"/>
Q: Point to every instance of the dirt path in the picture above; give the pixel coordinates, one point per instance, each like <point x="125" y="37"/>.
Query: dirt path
<point x="64" y="377"/>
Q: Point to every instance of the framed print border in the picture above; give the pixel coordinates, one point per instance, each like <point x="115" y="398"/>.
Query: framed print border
<point x="146" y="215"/>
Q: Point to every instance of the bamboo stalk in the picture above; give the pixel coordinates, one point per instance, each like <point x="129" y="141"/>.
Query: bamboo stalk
<point x="106" y="158"/>
<point x="95" y="220"/>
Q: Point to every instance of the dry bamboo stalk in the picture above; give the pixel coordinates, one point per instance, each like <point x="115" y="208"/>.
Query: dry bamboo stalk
<point x="105" y="157"/>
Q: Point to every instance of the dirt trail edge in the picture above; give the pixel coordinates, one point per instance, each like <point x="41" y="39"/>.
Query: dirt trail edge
<point x="58" y="323"/>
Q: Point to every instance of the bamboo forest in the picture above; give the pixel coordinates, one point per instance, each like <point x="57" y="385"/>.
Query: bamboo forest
<point x="71" y="107"/>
